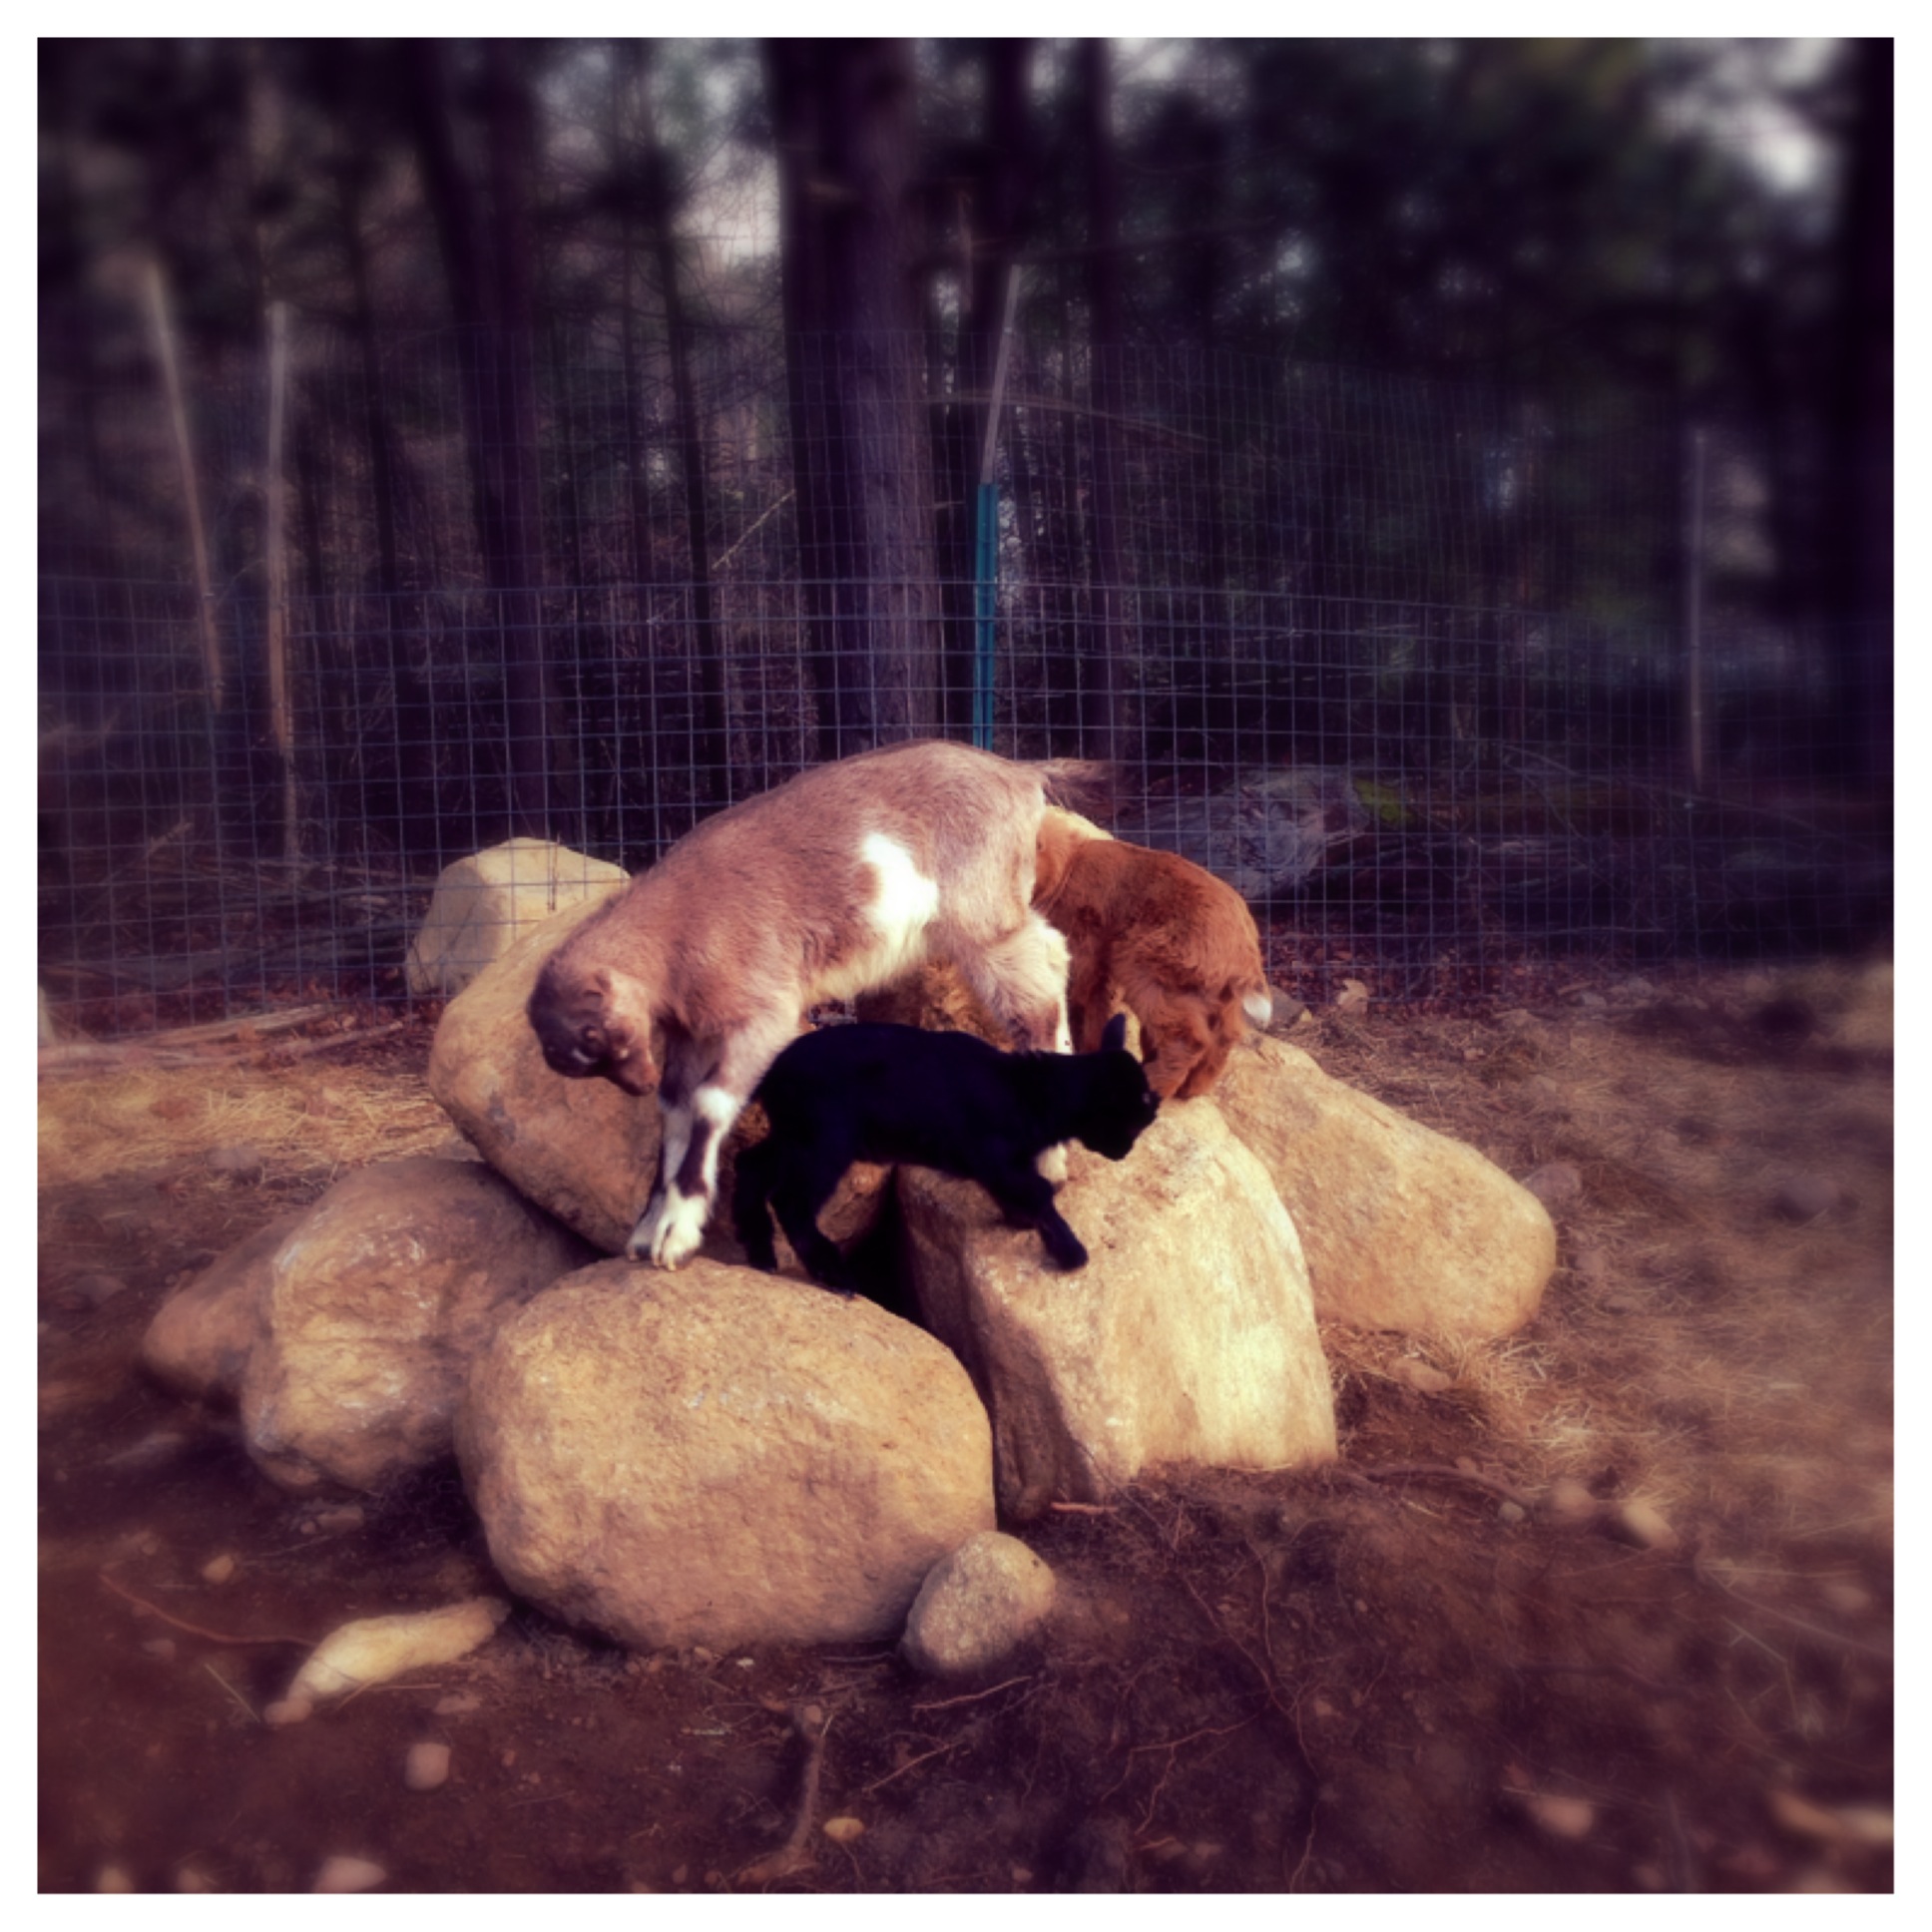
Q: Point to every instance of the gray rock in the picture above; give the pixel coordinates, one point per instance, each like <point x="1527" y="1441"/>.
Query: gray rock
<point x="1267" y="837"/>
<point x="239" y="1162"/>
<point x="977" y="1606"/>
<point x="1556" y="1184"/>
<point x="484" y="903"/>
<point x="717" y="1457"/>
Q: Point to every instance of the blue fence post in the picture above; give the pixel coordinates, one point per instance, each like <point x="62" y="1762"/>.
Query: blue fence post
<point x="986" y="535"/>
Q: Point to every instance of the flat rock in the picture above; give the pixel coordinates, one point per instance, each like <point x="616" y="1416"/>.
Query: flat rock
<point x="373" y="1650"/>
<point x="1190" y="1336"/>
<point x="717" y="1457"/>
<point x="1403" y="1227"/>
<point x="484" y="903"/>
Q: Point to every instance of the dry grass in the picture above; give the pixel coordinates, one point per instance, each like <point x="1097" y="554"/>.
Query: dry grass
<point x="307" y="1118"/>
<point x="1697" y="1345"/>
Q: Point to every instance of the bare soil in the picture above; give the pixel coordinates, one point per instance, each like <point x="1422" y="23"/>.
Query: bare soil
<point x="1437" y="1666"/>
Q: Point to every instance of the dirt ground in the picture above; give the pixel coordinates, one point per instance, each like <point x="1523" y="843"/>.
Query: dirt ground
<point x="1436" y="1665"/>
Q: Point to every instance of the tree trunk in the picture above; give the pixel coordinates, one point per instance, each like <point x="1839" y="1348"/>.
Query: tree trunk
<point x="1859" y="559"/>
<point x="843" y="116"/>
<point x="712" y="744"/>
<point x="1103" y="657"/>
<point x="484" y="227"/>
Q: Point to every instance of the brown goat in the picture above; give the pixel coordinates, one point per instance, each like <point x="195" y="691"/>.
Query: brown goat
<point x="1178" y="945"/>
<point x="834" y="884"/>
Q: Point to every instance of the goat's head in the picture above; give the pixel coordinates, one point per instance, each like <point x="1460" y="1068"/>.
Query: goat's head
<point x="591" y="1023"/>
<point x="1120" y="1105"/>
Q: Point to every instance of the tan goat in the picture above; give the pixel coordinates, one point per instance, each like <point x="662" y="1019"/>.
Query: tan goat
<point x="819" y="890"/>
<point x="1178" y="945"/>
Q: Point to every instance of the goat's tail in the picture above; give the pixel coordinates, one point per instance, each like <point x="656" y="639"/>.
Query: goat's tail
<point x="1079" y="784"/>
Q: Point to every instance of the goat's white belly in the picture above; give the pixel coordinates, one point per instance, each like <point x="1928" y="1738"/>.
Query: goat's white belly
<point x="896" y="929"/>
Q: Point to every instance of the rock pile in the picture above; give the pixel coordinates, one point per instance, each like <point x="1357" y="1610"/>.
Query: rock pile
<point x="718" y="1456"/>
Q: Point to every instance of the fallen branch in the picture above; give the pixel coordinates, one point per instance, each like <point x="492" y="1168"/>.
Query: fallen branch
<point x="1438" y="1472"/>
<point x="253" y="1715"/>
<point x="946" y="1703"/>
<point x="195" y="1630"/>
<point x="938" y="1751"/>
<point x="302" y="1049"/>
<point x="792" y="1855"/>
<point x="1876" y="1652"/>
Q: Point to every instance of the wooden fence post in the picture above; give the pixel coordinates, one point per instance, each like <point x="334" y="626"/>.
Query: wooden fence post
<point x="191" y="492"/>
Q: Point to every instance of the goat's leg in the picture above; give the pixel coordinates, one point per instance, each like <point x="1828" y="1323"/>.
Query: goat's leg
<point x="691" y="1172"/>
<point x="1023" y="979"/>
<point x="1089" y="1003"/>
<point x="1027" y="1197"/>
<point x="796" y="1200"/>
<point x="750" y="1209"/>
<point x="674" y="1141"/>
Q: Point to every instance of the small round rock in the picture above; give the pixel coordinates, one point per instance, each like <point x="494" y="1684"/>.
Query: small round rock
<point x="977" y="1606"/>
<point x="427" y="1765"/>
<point x="345" y="1872"/>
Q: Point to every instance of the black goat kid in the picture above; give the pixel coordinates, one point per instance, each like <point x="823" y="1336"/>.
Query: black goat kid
<point x="937" y="1100"/>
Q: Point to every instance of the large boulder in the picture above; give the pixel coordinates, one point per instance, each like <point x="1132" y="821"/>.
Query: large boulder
<point x="202" y="1336"/>
<point x="718" y="1457"/>
<point x="583" y="1150"/>
<point x="484" y="903"/>
<point x="1403" y="1227"/>
<point x="371" y="1310"/>
<point x="1189" y="1337"/>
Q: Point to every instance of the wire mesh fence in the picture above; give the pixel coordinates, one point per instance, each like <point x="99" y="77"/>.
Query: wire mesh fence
<point x="1441" y="680"/>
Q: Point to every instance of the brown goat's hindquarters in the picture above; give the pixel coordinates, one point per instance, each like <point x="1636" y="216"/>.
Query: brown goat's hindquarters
<point x="1178" y="947"/>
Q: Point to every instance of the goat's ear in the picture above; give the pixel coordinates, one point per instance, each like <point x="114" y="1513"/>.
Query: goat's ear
<point x="1113" y="1036"/>
<point x="627" y="1028"/>
<point x="630" y="1060"/>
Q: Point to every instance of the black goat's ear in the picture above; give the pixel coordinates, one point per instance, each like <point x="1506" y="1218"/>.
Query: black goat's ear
<point x="1114" y="1037"/>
